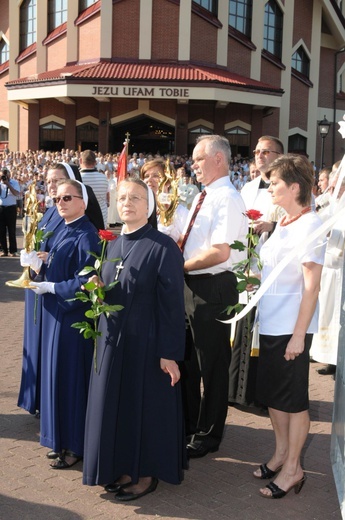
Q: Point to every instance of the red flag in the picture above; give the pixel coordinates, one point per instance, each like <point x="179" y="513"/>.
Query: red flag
<point x="122" y="164"/>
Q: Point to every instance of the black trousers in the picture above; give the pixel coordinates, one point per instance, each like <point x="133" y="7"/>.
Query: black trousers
<point x="8" y="218"/>
<point x="208" y="355"/>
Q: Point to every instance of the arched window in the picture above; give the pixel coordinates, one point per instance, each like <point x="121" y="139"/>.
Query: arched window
<point x="4" y="51"/>
<point x="300" y="61"/>
<point x="209" y="5"/>
<point x="297" y="144"/>
<point x="273" y="29"/>
<point x="27" y="23"/>
<point x="57" y="13"/>
<point x="240" y="16"/>
<point x="3" y="133"/>
<point x="84" y="4"/>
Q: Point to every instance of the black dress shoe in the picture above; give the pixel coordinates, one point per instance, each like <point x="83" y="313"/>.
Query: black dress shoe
<point x="114" y="487"/>
<point x="52" y="455"/>
<point x="123" y="496"/>
<point x="196" y="450"/>
<point x="328" y="370"/>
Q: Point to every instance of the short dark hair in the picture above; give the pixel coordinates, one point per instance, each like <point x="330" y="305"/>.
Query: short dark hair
<point x="275" y="140"/>
<point x="88" y="157"/>
<point x="295" y="169"/>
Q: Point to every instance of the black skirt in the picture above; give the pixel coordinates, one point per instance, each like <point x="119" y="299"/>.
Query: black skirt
<point x="283" y="385"/>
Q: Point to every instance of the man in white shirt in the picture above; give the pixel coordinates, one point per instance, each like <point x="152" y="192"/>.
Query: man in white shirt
<point x="97" y="180"/>
<point x="210" y="286"/>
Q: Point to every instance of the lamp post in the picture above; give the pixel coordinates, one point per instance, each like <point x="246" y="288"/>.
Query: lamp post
<point x="323" y="129"/>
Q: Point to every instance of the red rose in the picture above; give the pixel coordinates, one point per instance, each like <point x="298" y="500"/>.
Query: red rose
<point x="104" y="234"/>
<point x="253" y="214"/>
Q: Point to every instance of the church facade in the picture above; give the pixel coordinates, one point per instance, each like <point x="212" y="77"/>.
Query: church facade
<point x="83" y="74"/>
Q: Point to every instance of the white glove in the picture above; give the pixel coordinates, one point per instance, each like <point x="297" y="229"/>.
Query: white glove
<point x="42" y="287"/>
<point x="171" y="231"/>
<point x="30" y="260"/>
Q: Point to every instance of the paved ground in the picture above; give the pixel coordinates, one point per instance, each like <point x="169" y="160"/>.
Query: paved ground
<point x="219" y="486"/>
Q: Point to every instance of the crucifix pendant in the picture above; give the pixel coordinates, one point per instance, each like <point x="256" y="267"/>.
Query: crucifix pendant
<point x="119" y="268"/>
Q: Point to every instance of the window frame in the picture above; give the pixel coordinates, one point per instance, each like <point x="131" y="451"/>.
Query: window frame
<point x="28" y="23"/>
<point x="273" y="29"/>
<point x="4" y="53"/>
<point x="56" y="15"/>
<point x="247" y="20"/>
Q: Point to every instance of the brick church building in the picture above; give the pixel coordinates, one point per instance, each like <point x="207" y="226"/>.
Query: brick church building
<point x="82" y="73"/>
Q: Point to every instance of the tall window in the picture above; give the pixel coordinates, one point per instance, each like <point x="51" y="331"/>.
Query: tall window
<point x="300" y="61"/>
<point x="84" y="4"/>
<point x="4" y="51"/>
<point x="57" y="13"/>
<point x="210" y="5"/>
<point x="273" y="30"/>
<point x="240" y="16"/>
<point x="27" y="23"/>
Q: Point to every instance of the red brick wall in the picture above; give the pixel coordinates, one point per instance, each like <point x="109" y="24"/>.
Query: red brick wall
<point x="239" y="58"/>
<point x="203" y="41"/>
<point x="299" y="104"/>
<point x="303" y="12"/>
<point x="56" y="53"/>
<point x="23" y="125"/>
<point x="88" y="107"/>
<point x="165" y="31"/>
<point x="27" y="67"/>
<point x="326" y="78"/>
<point x="270" y="73"/>
<point x="89" y="38"/>
<point x="126" y="30"/>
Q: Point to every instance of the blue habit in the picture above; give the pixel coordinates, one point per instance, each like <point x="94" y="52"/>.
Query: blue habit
<point x="66" y="356"/>
<point x="29" y="393"/>
<point x="134" y="423"/>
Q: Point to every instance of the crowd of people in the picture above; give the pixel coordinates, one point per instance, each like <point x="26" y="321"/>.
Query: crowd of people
<point x="167" y="282"/>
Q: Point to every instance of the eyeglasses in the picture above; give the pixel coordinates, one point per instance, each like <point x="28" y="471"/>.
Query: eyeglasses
<point x="264" y="152"/>
<point x="134" y="199"/>
<point x="65" y="198"/>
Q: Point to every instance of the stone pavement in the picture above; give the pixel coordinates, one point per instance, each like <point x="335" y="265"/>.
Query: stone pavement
<point x="219" y="486"/>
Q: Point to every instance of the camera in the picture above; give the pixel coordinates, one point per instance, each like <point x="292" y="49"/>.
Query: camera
<point x="4" y="176"/>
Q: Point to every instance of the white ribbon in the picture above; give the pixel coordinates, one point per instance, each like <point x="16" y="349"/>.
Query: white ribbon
<point x="322" y="230"/>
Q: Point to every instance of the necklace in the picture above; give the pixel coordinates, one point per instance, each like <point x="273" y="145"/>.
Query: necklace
<point x="285" y="222"/>
<point x="120" y="266"/>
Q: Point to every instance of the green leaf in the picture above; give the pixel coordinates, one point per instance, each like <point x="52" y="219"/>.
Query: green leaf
<point x="90" y="286"/>
<point x="87" y="269"/>
<point x="233" y="308"/>
<point x="241" y="286"/>
<point x="253" y="280"/>
<point x="97" y="264"/>
<point x="90" y="314"/>
<point x="238" y="245"/>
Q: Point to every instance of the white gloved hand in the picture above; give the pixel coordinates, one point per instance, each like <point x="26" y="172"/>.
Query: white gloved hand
<point x="42" y="287"/>
<point x="30" y="260"/>
<point x="171" y="231"/>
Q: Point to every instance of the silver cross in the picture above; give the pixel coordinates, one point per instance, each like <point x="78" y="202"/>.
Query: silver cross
<point x="119" y="268"/>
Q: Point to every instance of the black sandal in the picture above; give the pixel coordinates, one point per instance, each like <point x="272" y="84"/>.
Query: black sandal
<point x="266" y="472"/>
<point x="61" y="462"/>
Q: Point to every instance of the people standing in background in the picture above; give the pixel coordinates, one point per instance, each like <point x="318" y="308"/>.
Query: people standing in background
<point x="216" y="219"/>
<point x="97" y="180"/>
<point x="9" y="191"/>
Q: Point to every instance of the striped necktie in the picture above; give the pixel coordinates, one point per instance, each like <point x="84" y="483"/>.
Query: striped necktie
<point x="192" y="220"/>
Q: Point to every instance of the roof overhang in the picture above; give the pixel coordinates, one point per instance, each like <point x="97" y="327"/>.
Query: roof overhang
<point x="106" y="80"/>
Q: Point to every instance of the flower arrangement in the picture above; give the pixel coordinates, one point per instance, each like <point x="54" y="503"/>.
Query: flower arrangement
<point x="95" y="294"/>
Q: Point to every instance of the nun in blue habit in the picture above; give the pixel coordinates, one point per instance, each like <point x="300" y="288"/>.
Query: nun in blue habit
<point x="66" y="357"/>
<point x="51" y="224"/>
<point x="134" y="432"/>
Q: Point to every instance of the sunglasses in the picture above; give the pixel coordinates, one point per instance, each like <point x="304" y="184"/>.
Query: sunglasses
<point x="65" y="198"/>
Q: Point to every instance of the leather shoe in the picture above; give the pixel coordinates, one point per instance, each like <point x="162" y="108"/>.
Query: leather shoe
<point x="114" y="487"/>
<point x="328" y="370"/>
<point x="123" y="496"/>
<point x="196" y="450"/>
